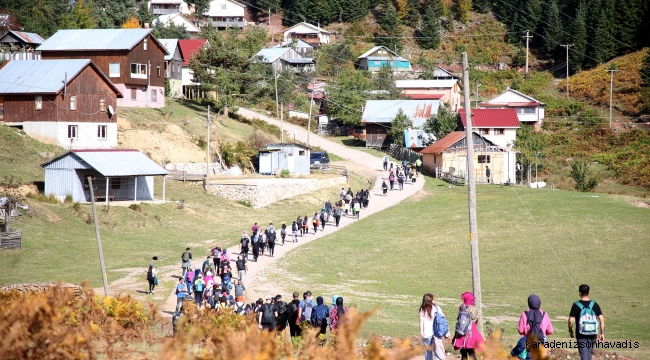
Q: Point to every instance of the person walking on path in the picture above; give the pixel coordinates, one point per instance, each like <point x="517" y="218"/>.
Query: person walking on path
<point x="267" y="314"/>
<point x="357" y="209"/>
<point x="264" y="241"/>
<point x="299" y="225"/>
<point x="186" y="258"/>
<point x="400" y="181"/>
<point x="199" y="287"/>
<point x="320" y="316"/>
<point x="384" y="186"/>
<point x="427" y="313"/>
<point x="338" y="314"/>
<point x="487" y="173"/>
<point x="385" y="162"/>
<point x="283" y="232"/>
<point x="391" y="180"/>
<point x="473" y="340"/>
<point x="535" y="322"/>
<point x="322" y="219"/>
<point x="271" y="243"/>
<point x="152" y="272"/>
<point x="244" y="243"/>
<point x="294" y="315"/>
<point x="305" y="225"/>
<point x="314" y="222"/>
<point x="242" y="267"/>
<point x="418" y="167"/>
<point x="588" y="315"/>
<point x="328" y="208"/>
<point x="337" y="215"/>
<point x="256" y="246"/>
<point x="181" y="289"/>
<point x="294" y="231"/>
<point x="216" y="255"/>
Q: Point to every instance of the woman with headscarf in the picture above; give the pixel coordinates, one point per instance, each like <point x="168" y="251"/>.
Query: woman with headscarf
<point x="473" y="340"/>
<point x="535" y="321"/>
<point x="320" y="315"/>
<point x="338" y="313"/>
<point x="151" y="278"/>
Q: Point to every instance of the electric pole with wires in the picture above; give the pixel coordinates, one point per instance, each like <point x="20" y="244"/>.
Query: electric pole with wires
<point x="611" y="71"/>
<point x="528" y="37"/>
<point x="567" y="68"/>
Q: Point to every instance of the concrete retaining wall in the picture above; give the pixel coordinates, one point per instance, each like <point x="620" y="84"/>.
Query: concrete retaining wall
<point x="263" y="192"/>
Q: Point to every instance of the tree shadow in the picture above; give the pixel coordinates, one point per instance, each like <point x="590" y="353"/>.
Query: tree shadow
<point x="353" y="142"/>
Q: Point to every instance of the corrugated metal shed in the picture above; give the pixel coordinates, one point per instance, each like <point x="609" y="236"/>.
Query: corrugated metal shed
<point x="26" y="37"/>
<point x="95" y="39"/>
<point x="384" y="111"/>
<point x="110" y="163"/>
<point x="39" y="76"/>
<point x="269" y="55"/>
<point x="492" y="118"/>
<point x="424" y="84"/>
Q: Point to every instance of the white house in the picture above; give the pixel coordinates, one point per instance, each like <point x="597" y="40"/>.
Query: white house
<point x="447" y="91"/>
<point x="311" y="34"/>
<point x="225" y="14"/>
<point x="530" y="111"/>
<point x="497" y="125"/>
<point x="285" y="59"/>
<point x="178" y="19"/>
<point x="165" y="7"/>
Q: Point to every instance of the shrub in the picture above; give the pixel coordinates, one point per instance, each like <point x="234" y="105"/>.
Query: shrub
<point x="284" y="173"/>
<point x="40" y="197"/>
<point x="135" y="207"/>
<point x="76" y="206"/>
<point x="68" y="199"/>
<point x="245" y="203"/>
<point x="579" y="170"/>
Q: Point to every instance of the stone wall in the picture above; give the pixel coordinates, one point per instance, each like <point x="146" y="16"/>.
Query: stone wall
<point x="41" y="287"/>
<point x="263" y="192"/>
<point x="199" y="168"/>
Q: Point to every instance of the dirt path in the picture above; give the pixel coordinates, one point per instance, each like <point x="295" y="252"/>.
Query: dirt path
<point x="370" y="165"/>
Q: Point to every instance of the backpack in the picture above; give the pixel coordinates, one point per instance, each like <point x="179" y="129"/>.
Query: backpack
<point x="306" y="314"/>
<point x="319" y="313"/>
<point x="282" y="310"/>
<point x="588" y="321"/>
<point x="186" y="257"/>
<point x="268" y="316"/>
<point x="244" y="242"/>
<point x="215" y="251"/>
<point x="293" y="309"/>
<point x="440" y="324"/>
<point x="535" y="324"/>
<point x="322" y="217"/>
<point x="240" y="264"/>
<point x="240" y="310"/>
<point x="198" y="285"/>
<point x="464" y="324"/>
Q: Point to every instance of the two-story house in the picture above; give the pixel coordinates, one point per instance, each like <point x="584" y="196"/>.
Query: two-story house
<point x="179" y="20"/>
<point x="530" y="111"/>
<point x="497" y="125"/>
<point x="166" y="7"/>
<point x="173" y="66"/>
<point x="311" y="34"/>
<point x="447" y="91"/>
<point x="380" y="56"/>
<point x="133" y="59"/>
<point x="70" y="103"/>
<point x="20" y="45"/>
<point x="285" y="59"/>
<point x="225" y="14"/>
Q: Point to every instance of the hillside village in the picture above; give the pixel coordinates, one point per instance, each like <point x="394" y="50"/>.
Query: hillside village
<point x="167" y="124"/>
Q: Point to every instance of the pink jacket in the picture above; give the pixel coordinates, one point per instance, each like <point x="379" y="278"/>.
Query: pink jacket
<point x="474" y="339"/>
<point x="545" y="326"/>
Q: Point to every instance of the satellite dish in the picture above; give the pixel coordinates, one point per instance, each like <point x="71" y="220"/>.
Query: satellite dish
<point x="111" y="111"/>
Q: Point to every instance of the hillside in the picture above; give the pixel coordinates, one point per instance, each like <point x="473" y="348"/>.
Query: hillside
<point x="20" y="156"/>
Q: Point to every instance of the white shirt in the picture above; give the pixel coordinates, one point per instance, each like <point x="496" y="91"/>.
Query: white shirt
<point x="427" y="322"/>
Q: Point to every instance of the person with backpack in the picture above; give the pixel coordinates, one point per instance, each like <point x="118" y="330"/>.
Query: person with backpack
<point x="283" y="313"/>
<point x="240" y="289"/>
<point x="244" y="243"/>
<point x="320" y="315"/>
<point x="322" y="219"/>
<point x="207" y="265"/>
<point x="240" y="306"/>
<point x="189" y="280"/>
<point x="314" y="222"/>
<point x="186" y="258"/>
<point x="400" y="180"/>
<point x="225" y="257"/>
<point x="263" y="241"/>
<point x="294" y="231"/>
<point x="271" y="243"/>
<point x="384" y="186"/>
<point x="328" y="208"/>
<point x="152" y="278"/>
<point x="467" y="338"/>
<point x="256" y="246"/>
<point x="535" y="322"/>
<point x="306" y="307"/>
<point x="588" y="315"/>
<point x="299" y="225"/>
<point x="357" y="209"/>
<point x="241" y="267"/>
<point x="199" y="287"/>
<point x="391" y="180"/>
<point x="305" y="225"/>
<point x="283" y="232"/>
<point x="226" y="275"/>
<point x="267" y="314"/>
<point x="181" y="289"/>
<point x="216" y="255"/>
<point x="294" y="315"/>
<point x="433" y="327"/>
<point x="338" y="313"/>
<point x="337" y="215"/>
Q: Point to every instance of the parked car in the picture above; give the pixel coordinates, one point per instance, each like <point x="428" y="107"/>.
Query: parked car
<point x="319" y="160"/>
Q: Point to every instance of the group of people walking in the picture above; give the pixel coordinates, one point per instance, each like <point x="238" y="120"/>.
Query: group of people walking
<point x="407" y="172"/>
<point x="585" y="315"/>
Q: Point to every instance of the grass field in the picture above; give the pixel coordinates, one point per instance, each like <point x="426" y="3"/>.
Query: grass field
<point x="19" y="155"/>
<point x="421" y="245"/>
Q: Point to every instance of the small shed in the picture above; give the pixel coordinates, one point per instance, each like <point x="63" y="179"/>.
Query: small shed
<point x="276" y="157"/>
<point x="118" y="175"/>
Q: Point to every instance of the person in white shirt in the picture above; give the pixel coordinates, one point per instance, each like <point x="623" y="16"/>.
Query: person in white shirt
<point x="427" y="314"/>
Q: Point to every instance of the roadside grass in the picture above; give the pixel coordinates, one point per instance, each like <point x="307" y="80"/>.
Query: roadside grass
<point x="59" y="242"/>
<point x="19" y="155"/>
<point x="360" y="145"/>
<point x="390" y="259"/>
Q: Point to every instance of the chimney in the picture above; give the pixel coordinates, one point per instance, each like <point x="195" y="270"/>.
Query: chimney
<point x="146" y="25"/>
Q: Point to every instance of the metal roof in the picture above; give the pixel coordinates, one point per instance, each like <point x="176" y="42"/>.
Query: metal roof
<point x="318" y="29"/>
<point x="269" y="55"/>
<point x="425" y="96"/>
<point x="43" y="76"/>
<point x="384" y="111"/>
<point x="166" y="19"/>
<point x="95" y="39"/>
<point x="530" y="98"/>
<point x="170" y="45"/>
<point x="424" y="84"/>
<point x="375" y="49"/>
<point x="117" y="162"/>
<point x="444" y="143"/>
<point x="26" y="37"/>
<point x="389" y="58"/>
<point x="492" y="118"/>
<point x="189" y="47"/>
<point x="299" y="44"/>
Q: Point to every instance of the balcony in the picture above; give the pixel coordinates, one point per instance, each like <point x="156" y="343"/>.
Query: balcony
<point x="166" y="11"/>
<point x="229" y="24"/>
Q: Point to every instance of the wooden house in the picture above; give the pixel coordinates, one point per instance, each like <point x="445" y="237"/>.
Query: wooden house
<point x="133" y="59"/>
<point x="70" y="103"/>
<point x="173" y="66"/>
<point x="166" y="7"/>
<point x="304" y="49"/>
<point x="225" y="14"/>
<point x="530" y="111"/>
<point x="117" y="175"/>
<point x="278" y="157"/>
<point x="447" y="158"/>
<point x="379" y="114"/>
<point x="20" y="45"/>
<point x="380" y="56"/>
<point x="285" y="59"/>
<point x="311" y="34"/>
<point x="447" y="91"/>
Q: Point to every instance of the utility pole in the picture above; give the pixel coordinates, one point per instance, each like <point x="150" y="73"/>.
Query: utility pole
<point x="311" y="105"/>
<point x="567" y="68"/>
<point x="471" y="182"/>
<point x="276" y="94"/>
<point x="207" y="151"/>
<point x="477" y="85"/>
<point x="269" y="16"/>
<point x="281" y="123"/>
<point x="527" y="38"/>
<point x="611" y="88"/>
<point x="99" y="240"/>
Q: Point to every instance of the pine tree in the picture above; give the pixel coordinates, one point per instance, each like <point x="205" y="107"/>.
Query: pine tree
<point x="529" y="19"/>
<point x="429" y="34"/>
<point x="552" y="32"/>
<point x="397" y="127"/>
<point x="644" y="71"/>
<point x="412" y="17"/>
<point x="387" y="20"/>
<point x="297" y="12"/>
<point x="144" y="15"/>
<point x="603" y="45"/>
<point x="354" y="10"/>
<point x="482" y="6"/>
<point x="579" y="48"/>
<point x="627" y="19"/>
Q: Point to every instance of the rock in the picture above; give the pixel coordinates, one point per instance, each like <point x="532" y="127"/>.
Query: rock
<point x="340" y="274"/>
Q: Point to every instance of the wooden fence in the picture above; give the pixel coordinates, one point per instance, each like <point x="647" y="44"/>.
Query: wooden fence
<point x="402" y="153"/>
<point x="11" y="240"/>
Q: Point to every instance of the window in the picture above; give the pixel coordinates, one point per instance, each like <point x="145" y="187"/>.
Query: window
<point x="139" y="71"/>
<point x="154" y="95"/>
<point x="166" y="65"/>
<point x="499" y="131"/>
<point x="484" y="159"/>
<point x="158" y="69"/>
<point x="38" y="102"/>
<point x="526" y="110"/>
<point x="484" y="131"/>
<point x="73" y="103"/>
<point x="134" y="94"/>
<point x="116" y="183"/>
<point x="301" y="152"/>
<point x="114" y="70"/>
<point x="102" y="103"/>
<point x="223" y="6"/>
<point x="72" y="131"/>
<point x="435" y="159"/>
<point x="144" y="44"/>
<point x="101" y="131"/>
<point x="2" y="107"/>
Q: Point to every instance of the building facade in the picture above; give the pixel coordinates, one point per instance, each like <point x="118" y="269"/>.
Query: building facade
<point x="496" y="125"/>
<point x="378" y="57"/>
<point x="311" y="34"/>
<point x="225" y="14"/>
<point x="448" y="91"/>
<point x="530" y="111"/>
<point x="20" y="45"/>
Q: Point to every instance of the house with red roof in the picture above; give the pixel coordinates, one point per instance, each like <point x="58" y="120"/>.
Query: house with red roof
<point x="530" y="111"/>
<point x="496" y="125"/>
<point x="188" y="48"/>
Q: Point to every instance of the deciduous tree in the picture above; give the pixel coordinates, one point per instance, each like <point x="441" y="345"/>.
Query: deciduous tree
<point x="131" y="23"/>
<point x="348" y="95"/>
<point x="397" y="127"/>
<point x="442" y="123"/>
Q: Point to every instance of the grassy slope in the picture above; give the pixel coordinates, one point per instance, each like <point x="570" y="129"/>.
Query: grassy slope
<point x="390" y="259"/>
<point x="19" y="155"/>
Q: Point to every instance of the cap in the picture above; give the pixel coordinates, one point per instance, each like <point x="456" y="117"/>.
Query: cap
<point x="151" y="264"/>
<point x="268" y="297"/>
<point x="308" y="293"/>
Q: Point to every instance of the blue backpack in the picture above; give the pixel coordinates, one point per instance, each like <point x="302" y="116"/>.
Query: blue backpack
<point x="440" y="324"/>
<point x="318" y="314"/>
